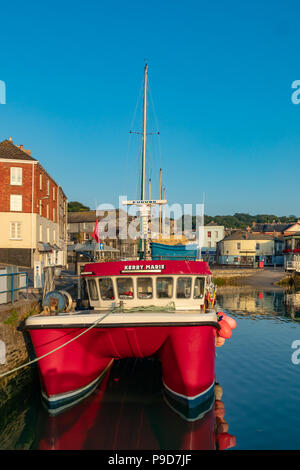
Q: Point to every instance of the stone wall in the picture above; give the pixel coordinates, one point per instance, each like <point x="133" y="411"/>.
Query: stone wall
<point x="232" y="272"/>
<point x="17" y="348"/>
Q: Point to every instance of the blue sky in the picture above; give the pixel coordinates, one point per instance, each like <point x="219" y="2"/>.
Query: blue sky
<point x="220" y="77"/>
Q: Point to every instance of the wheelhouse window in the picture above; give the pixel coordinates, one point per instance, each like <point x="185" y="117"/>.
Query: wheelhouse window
<point x="93" y="291"/>
<point x="144" y="288"/>
<point x="106" y="288"/>
<point x="164" y="287"/>
<point x="125" y="287"/>
<point x="199" y="287"/>
<point x="184" y="288"/>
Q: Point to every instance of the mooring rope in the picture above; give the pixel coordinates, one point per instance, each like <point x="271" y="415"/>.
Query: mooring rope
<point x="56" y="349"/>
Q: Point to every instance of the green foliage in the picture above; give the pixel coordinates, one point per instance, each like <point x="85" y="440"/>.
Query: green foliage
<point x="75" y="206"/>
<point x="227" y="281"/>
<point x="12" y="319"/>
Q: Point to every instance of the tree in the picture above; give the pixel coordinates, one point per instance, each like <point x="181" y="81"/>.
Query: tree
<point x="75" y="206"/>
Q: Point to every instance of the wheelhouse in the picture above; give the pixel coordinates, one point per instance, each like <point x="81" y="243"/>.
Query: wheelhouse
<point x="131" y="285"/>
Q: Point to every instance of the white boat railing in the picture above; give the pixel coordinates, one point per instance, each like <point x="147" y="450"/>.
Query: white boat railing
<point x="293" y="266"/>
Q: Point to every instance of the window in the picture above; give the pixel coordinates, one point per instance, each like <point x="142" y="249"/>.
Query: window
<point x="47" y="211"/>
<point x="106" y="288"/>
<point x="41" y="207"/>
<point x="93" y="289"/>
<point x="53" y="193"/>
<point x="16" y="176"/>
<point x="48" y="235"/>
<point x="184" y="288"/>
<point x="238" y="245"/>
<point x="41" y="233"/>
<point x="199" y="288"/>
<point x="41" y="181"/>
<point x="209" y="234"/>
<point x="125" y="288"/>
<point x="16" y="202"/>
<point x="16" y="231"/>
<point x="144" y="288"/>
<point x="53" y="214"/>
<point x="48" y="187"/>
<point x="257" y="246"/>
<point x="164" y="287"/>
<point x="216" y="234"/>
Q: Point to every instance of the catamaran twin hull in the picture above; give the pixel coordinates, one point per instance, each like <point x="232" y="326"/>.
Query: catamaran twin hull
<point x="77" y="349"/>
<point x="186" y="348"/>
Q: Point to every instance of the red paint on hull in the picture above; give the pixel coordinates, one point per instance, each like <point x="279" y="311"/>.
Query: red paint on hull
<point x="187" y="354"/>
<point x="188" y="360"/>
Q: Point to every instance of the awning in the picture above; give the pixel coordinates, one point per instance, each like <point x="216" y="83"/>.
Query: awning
<point x="44" y="247"/>
<point x="94" y="246"/>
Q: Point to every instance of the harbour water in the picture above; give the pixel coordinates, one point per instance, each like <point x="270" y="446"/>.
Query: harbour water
<point x="257" y="402"/>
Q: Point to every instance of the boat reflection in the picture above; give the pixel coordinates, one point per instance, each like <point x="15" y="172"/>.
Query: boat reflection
<point x="128" y="411"/>
<point x="255" y="302"/>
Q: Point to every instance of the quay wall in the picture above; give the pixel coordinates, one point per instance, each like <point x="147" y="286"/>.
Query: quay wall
<point x="232" y="272"/>
<point x="16" y="348"/>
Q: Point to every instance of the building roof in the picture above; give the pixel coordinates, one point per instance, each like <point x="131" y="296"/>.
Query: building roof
<point x="12" y="152"/>
<point x="82" y="216"/>
<point x="273" y="227"/>
<point x="248" y="236"/>
<point x="91" y="216"/>
<point x="292" y="235"/>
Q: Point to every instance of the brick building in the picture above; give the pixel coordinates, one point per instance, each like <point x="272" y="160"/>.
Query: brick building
<point x="33" y="210"/>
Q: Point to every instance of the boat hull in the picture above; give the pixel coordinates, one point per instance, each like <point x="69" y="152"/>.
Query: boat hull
<point x="79" y="359"/>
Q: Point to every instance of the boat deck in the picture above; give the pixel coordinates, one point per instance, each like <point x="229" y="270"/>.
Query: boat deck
<point x="106" y="319"/>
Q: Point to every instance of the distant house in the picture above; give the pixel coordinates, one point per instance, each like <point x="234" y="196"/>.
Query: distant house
<point x="275" y="228"/>
<point x="33" y="211"/>
<point x="212" y="234"/>
<point x="244" y="248"/>
<point x="81" y="226"/>
<point x="291" y="252"/>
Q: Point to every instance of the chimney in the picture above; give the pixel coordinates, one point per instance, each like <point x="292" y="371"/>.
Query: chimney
<point x="23" y="150"/>
<point x="10" y="139"/>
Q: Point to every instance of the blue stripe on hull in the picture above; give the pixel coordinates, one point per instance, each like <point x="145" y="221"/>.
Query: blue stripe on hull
<point x="191" y="408"/>
<point x="58" y="403"/>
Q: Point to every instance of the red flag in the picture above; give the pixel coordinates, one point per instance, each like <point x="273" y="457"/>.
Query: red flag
<point x="95" y="233"/>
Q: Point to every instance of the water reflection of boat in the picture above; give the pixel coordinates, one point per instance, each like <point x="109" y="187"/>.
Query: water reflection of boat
<point x="132" y="414"/>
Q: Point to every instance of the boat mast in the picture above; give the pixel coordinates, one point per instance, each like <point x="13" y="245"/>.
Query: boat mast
<point x="144" y="133"/>
<point x="145" y="206"/>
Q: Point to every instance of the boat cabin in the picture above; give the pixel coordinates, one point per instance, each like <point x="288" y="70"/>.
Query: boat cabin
<point x="132" y="284"/>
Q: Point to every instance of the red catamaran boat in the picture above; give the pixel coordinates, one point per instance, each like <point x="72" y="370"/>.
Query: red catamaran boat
<point x="140" y="308"/>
